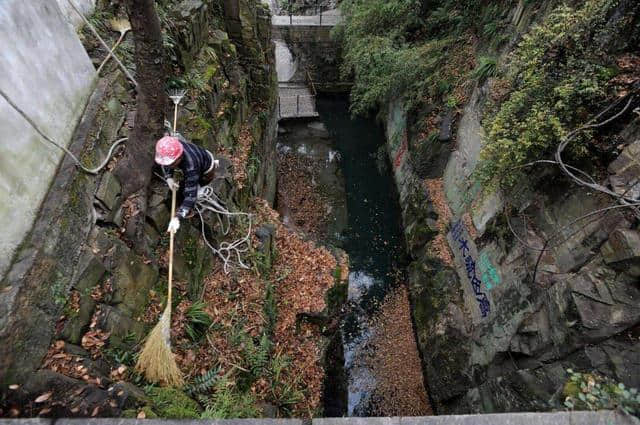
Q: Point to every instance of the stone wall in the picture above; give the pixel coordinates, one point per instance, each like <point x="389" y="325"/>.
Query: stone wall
<point x="492" y="338"/>
<point x="74" y="275"/>
<point x="316" y="52"/>
<point x="47" y="73"/>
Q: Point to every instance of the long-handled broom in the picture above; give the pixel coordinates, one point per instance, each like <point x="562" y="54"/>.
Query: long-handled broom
<point x="156" y="360"/>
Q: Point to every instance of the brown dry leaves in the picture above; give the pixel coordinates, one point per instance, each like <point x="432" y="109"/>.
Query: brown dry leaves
<point x="95" y="338"/>
<point x="395" y="362"/>
<point x="307" y="272"/>
<point x="296" y="193"/>
<point x="302" y="274"/>
<point x="240" y="156"/>
<point x="67" y="364"/>
<point x="629" y="66"/>
<point x="439" y="244"/>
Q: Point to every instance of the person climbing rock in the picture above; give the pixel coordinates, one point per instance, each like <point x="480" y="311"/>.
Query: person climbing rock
<point x="198" y="169"/>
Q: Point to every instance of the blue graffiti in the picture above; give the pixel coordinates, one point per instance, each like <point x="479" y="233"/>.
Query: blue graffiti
<point x="470" y="266"/>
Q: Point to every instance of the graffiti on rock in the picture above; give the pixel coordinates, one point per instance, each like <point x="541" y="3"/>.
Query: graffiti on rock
<point x="457" y="234"/>
<point x="489" y="274"/>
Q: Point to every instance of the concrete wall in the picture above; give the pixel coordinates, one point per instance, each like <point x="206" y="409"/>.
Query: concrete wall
<point x="560" y="418"/>
<point x="46" y="72"/>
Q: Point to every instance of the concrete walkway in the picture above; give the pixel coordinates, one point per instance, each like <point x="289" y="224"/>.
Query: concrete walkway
<point x="560" y="418"/>
<point x="327" y="19"/>
<point x="296" y="101"/>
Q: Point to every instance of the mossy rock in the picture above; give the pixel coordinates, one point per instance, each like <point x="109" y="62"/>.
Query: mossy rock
<point x="173" y="404"/>
<point x="133" y="413"/>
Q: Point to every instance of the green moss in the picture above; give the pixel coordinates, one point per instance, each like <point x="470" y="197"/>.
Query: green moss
<point x="133" y="413"/>
<point x="172" y="403"/>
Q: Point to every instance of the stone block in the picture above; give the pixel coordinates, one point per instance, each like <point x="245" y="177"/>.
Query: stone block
<point x="159" y="216"/>
<point x="626" y="171"/>
<point x="119" y="324"/>
<point x="151" y="234"/>
<point x="622" y="251"/>
<point x="132" y="280"/>
<point x="91" y="275"/>
<point x="76" y="325"/>
<point x="109" y="191"/>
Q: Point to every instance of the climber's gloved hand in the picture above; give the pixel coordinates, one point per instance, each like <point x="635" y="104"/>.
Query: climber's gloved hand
<point x="184" y="212"/>
<point x="173" y="185"/>
<point x="174" y="225"/>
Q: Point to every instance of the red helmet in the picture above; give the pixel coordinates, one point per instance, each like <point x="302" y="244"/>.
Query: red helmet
<point x="168" y="150"/>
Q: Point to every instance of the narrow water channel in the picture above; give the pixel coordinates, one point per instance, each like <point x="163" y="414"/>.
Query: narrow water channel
<point x="373" y="240"/>
<point x="335" y="185"/>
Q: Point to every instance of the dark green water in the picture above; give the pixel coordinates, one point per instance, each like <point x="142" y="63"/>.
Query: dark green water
<point x="373" y="238"/>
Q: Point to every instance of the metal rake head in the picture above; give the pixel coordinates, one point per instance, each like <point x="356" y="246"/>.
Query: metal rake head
<point x="176" y="95"/>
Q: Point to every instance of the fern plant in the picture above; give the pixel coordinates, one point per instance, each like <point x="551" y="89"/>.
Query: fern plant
<point x="227" y="402"/>
<point x="487" y="67"/>
<point x="198" y="322"/>
<point x="204" y="383"/>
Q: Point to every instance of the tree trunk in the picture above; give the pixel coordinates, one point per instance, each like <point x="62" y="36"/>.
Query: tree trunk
<point x="134" y="169"/>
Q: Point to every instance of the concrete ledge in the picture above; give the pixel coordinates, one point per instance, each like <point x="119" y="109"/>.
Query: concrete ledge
<point x="559" y="418"/>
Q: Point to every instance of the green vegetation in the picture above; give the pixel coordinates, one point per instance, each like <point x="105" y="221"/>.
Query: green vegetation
<point x="559" y="79"/>
<point x="203" y="383"/>
<point x="198" y="322"/>
<point x="229" y="403"/>
<point x="586" y="391"/>
<point x="412" y="49"/>
<point x="487" y="67"/>
<point x="172" y="403"/>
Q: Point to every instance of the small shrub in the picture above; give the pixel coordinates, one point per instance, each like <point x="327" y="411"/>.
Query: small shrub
<point x="586" y="391"/>
<point x="558" y="79"/>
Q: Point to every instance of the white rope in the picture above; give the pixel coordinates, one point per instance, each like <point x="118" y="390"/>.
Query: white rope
<point x="104" y="44"/>
<point x="59" y="146"/>
<point x="209" y="201"/>
<point x="228" y="252"/>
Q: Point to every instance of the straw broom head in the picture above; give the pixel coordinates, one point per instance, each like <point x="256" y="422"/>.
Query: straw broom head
<point x="156" y="360"/>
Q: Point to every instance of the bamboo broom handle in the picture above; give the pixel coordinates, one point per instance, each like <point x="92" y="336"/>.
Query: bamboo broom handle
<point x="173" y="213"/>
<point x="175" y="118"/>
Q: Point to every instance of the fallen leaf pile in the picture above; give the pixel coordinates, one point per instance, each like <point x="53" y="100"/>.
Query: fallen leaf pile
<point x="629" y="66"/>
<point x="307" y="274"/>
<point x="395" y="361"/>
<point x="240" y="156"/>
<point x="298" y="196"/>
<point x="95" y="338"/>
<point x="67" y="364"/>
<point x="439" y="245"/>
<point x="302" y="273"/>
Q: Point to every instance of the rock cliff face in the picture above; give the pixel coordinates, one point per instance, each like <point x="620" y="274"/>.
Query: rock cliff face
<point x="498" y="321"/>
<point x="74" y="280"/>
